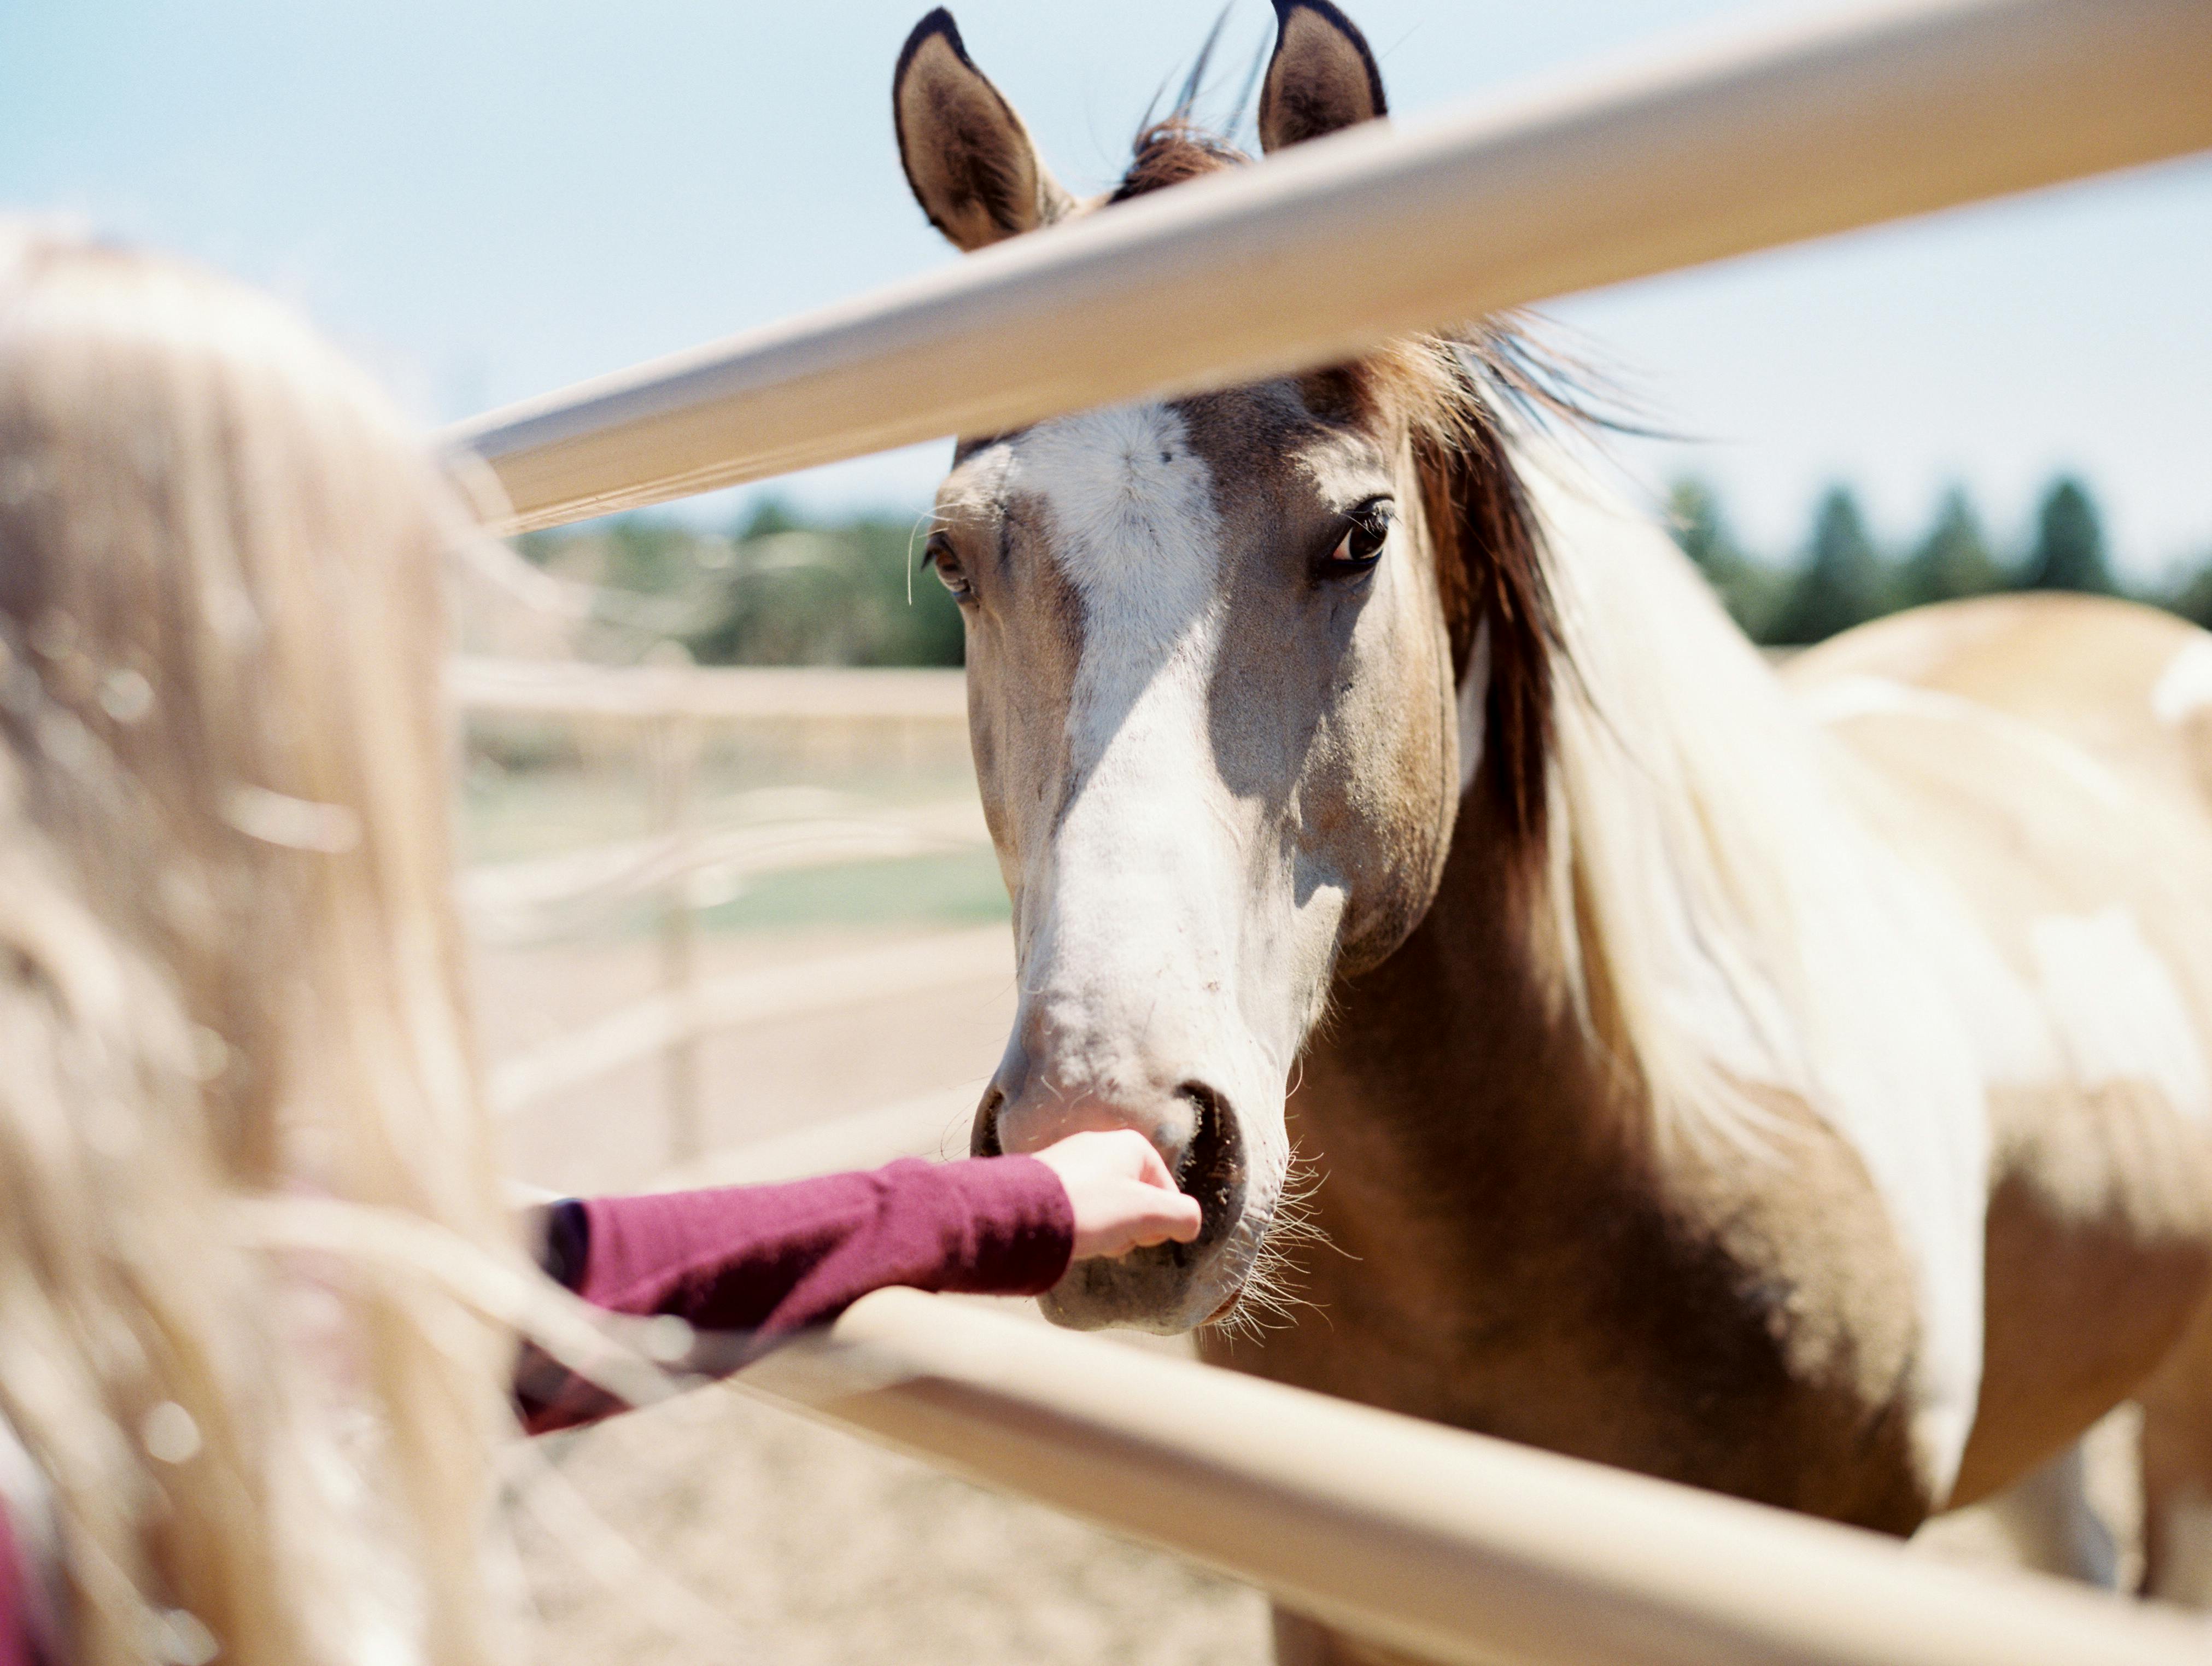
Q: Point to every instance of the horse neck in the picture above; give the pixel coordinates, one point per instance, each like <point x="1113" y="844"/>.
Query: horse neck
<point x="1465" y="1143"/>
<point x="1462" y="1060"/>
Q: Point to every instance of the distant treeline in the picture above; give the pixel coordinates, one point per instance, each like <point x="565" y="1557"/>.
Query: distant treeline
<point x="782" y="589"/>
<point x="776" y="590"/>
<point x="1843" y="577"/>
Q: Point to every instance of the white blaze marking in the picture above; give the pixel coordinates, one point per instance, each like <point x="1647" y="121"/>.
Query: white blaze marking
<point x="2185" y="687"/>
<point x="1135" y="954"/>
<point x="1136" y="533"/>
<point x="2116" y="1011"/>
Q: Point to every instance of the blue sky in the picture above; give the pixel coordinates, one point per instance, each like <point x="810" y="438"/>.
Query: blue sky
<point x="488" y="198"/>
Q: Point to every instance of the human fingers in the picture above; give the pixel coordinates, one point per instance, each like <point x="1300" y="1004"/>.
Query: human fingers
<point x="1121" y="1194"/>
<point x="1121" y="1215"/>
<point x="1122" y="1152"/>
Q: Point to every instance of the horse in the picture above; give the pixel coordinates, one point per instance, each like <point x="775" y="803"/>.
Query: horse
<point x="1790" y="1082"/>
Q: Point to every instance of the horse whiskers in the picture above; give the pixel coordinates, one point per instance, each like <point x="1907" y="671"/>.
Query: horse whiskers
<point x="933" y="519"/>
<point x="1271" y="1294"/>
<point x="1268" y="1301"/>
<point x="1294" y="1220"/>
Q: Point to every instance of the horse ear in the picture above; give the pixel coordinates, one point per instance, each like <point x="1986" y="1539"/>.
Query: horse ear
<point x="1322" y="77"/>
<point x="965" y="152"/>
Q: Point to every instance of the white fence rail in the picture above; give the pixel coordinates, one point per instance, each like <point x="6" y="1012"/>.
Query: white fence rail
<point x="541" y="895"/>
<point x="560" y="687"/>
<point x="1450" y="1546"/>
<point x="683" y="867"/>
<point x="686" y="1011"/>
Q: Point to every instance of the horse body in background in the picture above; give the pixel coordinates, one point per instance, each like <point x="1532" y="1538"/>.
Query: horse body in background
<point x="1795" y="1087"/>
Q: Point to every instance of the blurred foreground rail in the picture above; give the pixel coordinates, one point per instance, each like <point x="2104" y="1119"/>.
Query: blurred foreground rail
<point x="1450" y="1546"/>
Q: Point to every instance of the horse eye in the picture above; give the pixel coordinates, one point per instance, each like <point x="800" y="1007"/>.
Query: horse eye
<point x="1361" y="546"/>
<point x="939" y="553"/>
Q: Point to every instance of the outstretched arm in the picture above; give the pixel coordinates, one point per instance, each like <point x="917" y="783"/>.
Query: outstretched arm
<point x="767" y="1260"/>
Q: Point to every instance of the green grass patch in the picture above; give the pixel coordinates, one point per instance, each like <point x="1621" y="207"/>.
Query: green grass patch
<point x="921" y="891"/>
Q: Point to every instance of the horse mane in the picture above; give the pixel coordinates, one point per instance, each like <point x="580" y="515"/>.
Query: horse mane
<point x="1445" y="393"/>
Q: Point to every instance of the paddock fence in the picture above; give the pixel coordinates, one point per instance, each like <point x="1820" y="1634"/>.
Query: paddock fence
<point x="683" y="864"/>
<point x="1441" y="1545"/>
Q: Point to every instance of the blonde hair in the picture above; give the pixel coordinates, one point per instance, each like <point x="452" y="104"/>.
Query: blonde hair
<point x="231" y="976"/>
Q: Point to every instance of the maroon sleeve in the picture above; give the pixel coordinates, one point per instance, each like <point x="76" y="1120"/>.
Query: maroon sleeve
<point x="767" y="1260"/>
<point x="15" y="1627"/>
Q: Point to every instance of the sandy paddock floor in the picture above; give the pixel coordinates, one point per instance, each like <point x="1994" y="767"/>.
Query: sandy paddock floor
<point x="720" y="1529"/>
<point x="727" y="1529"/>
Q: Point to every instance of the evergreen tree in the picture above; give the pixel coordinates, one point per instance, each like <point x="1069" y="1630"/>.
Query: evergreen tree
<point x="1694" y="513"/>
<point x="770" y="515"/>
<point x="1749" y="589"/>
<point x="2191" y="596"/>
<point x="834" y="594"/>
<point x="652" y="554"/>
<point x="1953" y="560"/>
<point x="2069" y="553"/>
<point x="1842" y="583"/>
<point x="784" y="591"/>
<point x="1704" y="536"/>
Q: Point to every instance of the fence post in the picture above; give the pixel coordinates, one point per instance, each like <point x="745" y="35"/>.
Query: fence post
<point x="675" y="746"/>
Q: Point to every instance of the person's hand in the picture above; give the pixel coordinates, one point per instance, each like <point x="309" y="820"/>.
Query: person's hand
<point x="1122" y="1194"/>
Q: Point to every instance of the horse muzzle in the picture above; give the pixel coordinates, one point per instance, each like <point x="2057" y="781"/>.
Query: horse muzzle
<point x="1166" y="1288"/>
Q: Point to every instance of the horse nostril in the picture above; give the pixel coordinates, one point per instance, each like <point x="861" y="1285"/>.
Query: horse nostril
<point x="1212" y="1170"/>
<point x="1209" y="1168"/>
<point x="983" y="1132"/>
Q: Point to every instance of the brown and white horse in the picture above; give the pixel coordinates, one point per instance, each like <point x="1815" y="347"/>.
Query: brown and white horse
<point x="1792" y="1085"/>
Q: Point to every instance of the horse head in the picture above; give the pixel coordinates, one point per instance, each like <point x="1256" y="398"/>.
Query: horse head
<point x="1233" y="661"/>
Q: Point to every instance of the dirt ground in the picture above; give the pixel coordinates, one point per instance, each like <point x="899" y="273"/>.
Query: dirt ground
<point x="724" y="1529"/>
<point x="720" y="1529"/>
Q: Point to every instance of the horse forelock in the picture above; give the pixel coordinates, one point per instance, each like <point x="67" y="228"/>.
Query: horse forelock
<point x="1172" y="150"/>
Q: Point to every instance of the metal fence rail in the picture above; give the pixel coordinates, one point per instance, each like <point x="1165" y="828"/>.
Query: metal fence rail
<point x="1891" y="110"/>
<point x="1449" y="1546"/>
